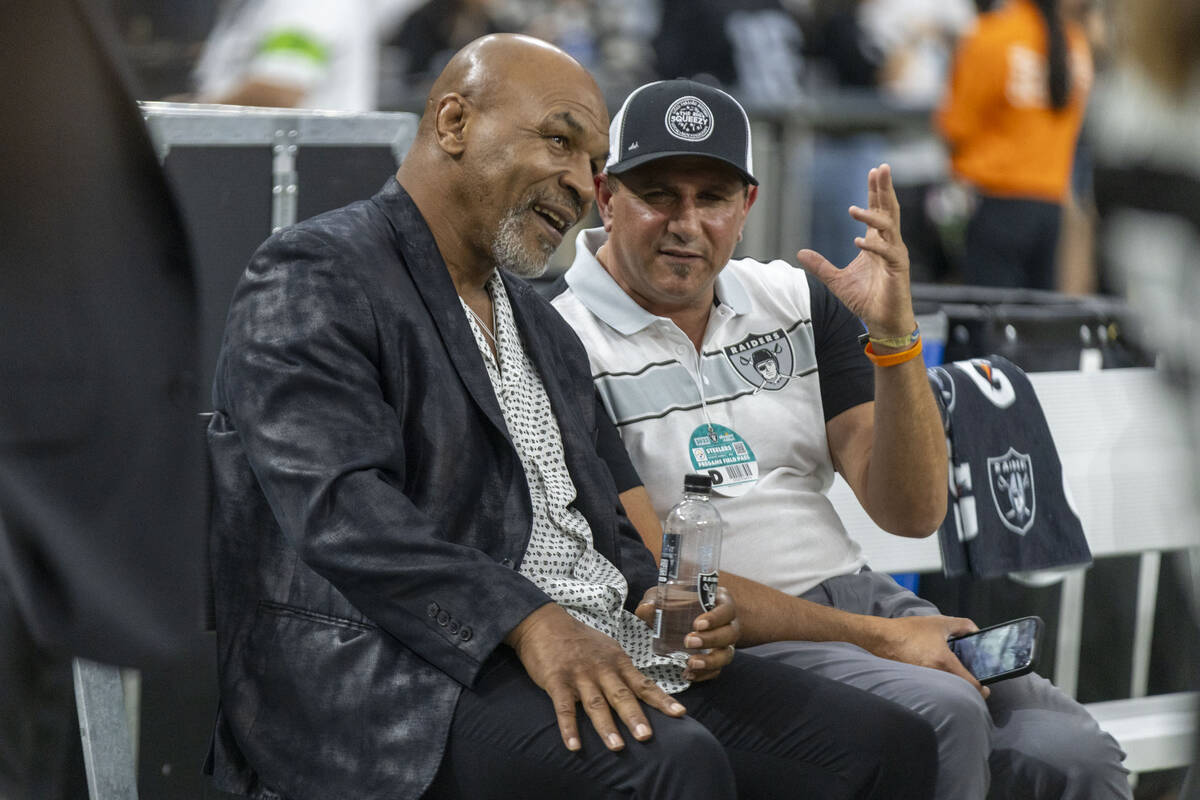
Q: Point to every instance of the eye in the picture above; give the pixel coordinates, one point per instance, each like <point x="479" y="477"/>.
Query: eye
<point x="558" y="140"/>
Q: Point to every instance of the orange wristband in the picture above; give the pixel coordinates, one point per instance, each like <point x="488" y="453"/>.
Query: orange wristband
<point x="892" y="359"/>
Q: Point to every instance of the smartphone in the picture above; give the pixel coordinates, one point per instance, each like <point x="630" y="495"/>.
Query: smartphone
<point x="1000" y="651"/>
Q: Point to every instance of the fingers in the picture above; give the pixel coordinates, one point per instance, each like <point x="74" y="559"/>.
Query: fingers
<point x="708" y="666"/>
<point x="876" y="219"/>
<point x="816" y="264"/>
<point x="881" y="192"/>
<point x="645" y="611"/>
<point x="717" y="631"/>
<point x="959" y="626"/>
<point x="597" y="704"/>
<point x="953" y="665"/>
<point x="563" y="700"/>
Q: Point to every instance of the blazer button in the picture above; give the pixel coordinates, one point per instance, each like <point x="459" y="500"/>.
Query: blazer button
<point x="508" y="562"/>
<point x="432" y="610"/>
<point x="443" y="617"/>
<point x="465" y="634"/>
<point x="453" y="626"/>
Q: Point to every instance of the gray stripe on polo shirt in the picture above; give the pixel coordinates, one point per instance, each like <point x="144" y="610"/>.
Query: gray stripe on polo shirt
<point x="659" y="388"/>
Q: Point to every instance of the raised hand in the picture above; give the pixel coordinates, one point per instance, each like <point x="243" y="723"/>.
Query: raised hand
<point x="576" y="665"/>
<point x="875" y="285"/>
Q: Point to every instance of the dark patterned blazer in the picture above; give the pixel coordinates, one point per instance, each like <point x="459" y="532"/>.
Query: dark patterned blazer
<point x="370" y="510"/>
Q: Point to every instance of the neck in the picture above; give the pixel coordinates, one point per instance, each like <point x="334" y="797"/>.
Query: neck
<point x="469" y="268"/>
<point x="690" y="316"/>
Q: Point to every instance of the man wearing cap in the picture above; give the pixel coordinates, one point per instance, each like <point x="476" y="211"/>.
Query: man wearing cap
<point x="677" y="333"/>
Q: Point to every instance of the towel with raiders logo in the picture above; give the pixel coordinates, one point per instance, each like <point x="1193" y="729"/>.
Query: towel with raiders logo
<point x="1009" y="508"/>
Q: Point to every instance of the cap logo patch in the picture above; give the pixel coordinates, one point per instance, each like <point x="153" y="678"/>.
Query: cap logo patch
<point x="688" y="118"/>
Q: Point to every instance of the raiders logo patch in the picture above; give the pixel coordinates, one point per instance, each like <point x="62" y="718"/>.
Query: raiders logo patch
<point x="688" y="118"/>
<point x="1011" y="479"/>
<point x="763" y="360"/>
<point x="707" y="585"/>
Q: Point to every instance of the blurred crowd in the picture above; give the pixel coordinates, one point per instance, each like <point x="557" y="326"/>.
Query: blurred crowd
<point x="1002" y="93"/>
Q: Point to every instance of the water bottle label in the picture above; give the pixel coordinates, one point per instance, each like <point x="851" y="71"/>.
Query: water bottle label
<point x="724" y="456"/>
<point x="658" y="615"/>
<point x="668" y="565"/>
<point x="707" y="585"/>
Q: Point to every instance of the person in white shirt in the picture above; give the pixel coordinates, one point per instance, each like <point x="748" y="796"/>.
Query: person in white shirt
<point x="676" y="332"/>
<point x="297" y="53"/>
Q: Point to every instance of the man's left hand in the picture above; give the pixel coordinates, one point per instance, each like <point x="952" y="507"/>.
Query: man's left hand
<point x="875" y="285"/>
<point x="716" y="631"/>
<point x="921" y="640"/>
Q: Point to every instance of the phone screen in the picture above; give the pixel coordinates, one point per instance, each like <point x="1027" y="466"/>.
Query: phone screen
<point x="994" y="652"/>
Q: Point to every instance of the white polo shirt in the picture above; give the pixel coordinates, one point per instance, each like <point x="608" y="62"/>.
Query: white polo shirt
<point x="746" y="409"/>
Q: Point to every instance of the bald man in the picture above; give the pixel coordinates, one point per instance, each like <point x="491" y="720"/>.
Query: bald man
<point x="421" y="569"/>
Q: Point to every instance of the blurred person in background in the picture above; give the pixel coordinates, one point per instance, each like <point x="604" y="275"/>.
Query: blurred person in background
<point x="102" y="503"/>
<point x="426" y="40"/>
<point x="1077" y="268"/>
<point x="1011" y="118"/>
<point x="610" y="39"/>
<point x="915" y="40"/>
<point x="750" y="47"/>
<point x="297" y="53"/>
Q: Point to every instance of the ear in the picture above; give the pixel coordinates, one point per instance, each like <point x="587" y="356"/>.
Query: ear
<point x="604" y="200"/>
<point x="751" y="196"/>
<point x="450" y="122"/>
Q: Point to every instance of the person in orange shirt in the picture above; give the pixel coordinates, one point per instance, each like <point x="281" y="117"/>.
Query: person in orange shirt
<point x="1011" y="118"/>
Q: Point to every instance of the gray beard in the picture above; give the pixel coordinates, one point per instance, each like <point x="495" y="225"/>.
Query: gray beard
<point x="511" y="253"/>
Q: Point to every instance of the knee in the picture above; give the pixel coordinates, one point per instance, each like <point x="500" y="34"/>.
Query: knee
<point x="686" y="759"/>
<point x="1088" y="757"/>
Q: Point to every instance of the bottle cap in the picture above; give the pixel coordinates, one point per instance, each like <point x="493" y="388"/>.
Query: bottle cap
<point x="695" y="482"/>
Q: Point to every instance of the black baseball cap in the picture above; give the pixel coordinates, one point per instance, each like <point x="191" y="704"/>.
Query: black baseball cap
<point x="680" y="118"/>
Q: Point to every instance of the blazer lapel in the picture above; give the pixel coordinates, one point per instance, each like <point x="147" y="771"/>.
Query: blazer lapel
<point x="420" y="253"/>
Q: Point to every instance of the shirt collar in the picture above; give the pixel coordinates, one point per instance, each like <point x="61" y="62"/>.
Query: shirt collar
<point x="597" y="290"/>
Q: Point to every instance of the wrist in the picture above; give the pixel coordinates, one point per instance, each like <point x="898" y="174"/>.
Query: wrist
<point x="887" y="339"/>
<point x="869" y="633"/>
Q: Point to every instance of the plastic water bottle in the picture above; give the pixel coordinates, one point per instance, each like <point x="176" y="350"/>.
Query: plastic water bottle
<point x="687" y="572"/>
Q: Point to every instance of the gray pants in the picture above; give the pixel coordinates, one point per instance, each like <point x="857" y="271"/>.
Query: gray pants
<point x="1028" y="740"/>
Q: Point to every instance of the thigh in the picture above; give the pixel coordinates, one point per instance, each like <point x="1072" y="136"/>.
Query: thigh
<point x="785" y="728"/>
<point x="504" y="742"/>
<point x="869" y="592"/>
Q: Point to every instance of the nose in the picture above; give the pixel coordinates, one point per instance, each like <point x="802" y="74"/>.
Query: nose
<point x="578" y="179"/>
<point x="685" y="222"/>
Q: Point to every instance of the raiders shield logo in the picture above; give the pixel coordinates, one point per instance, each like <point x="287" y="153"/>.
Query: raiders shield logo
<point x="708" y="590"/>
<point x="1011" y="479"/>
<point x="764" y="360"/>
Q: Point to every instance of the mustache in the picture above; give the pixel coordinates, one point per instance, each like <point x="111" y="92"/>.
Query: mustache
<point x="570" y="198"/>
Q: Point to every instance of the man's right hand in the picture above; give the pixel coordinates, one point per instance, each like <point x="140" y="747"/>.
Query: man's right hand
<point x="921" y="640"/>
<point x="576" y="664"/>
